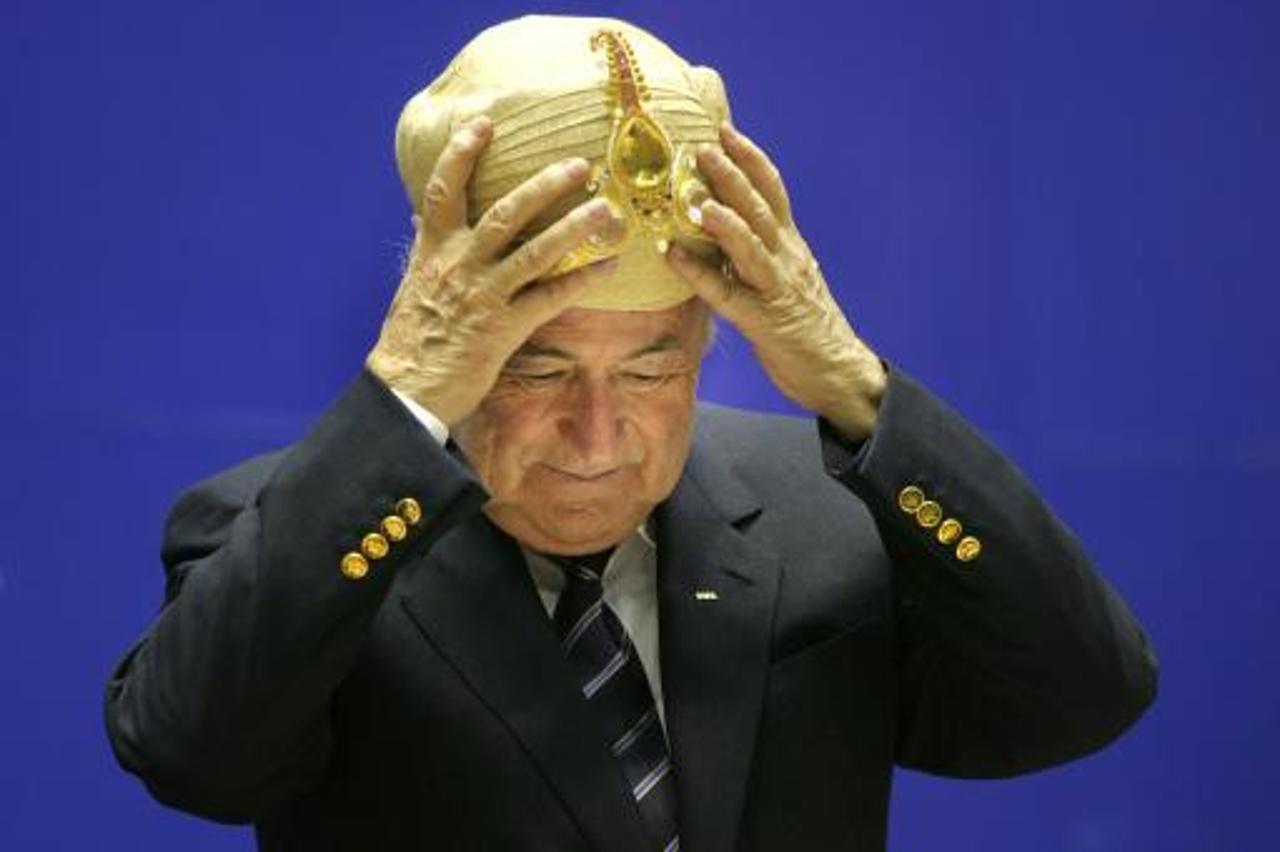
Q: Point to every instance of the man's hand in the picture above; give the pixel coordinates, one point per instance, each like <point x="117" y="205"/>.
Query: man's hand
<point x="465" y="304"/>
<point x="773" y="291"/>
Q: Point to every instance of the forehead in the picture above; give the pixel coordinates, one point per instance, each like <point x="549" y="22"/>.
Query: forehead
<point x="588" y="333"/>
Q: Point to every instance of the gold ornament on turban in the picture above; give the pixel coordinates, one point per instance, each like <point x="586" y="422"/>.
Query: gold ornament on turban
<point x="597" y="88"/>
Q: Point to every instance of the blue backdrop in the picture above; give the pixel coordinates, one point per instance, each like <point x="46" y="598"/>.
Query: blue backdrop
<point x="1060" y="215"/>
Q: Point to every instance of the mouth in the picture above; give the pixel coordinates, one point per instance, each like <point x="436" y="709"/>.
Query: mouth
<point x="583" y="476"/>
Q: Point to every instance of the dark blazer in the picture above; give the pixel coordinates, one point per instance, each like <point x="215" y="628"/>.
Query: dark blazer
<point x="428" y="706"/>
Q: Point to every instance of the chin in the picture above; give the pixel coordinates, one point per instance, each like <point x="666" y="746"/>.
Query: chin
<point x="567" y="528"/>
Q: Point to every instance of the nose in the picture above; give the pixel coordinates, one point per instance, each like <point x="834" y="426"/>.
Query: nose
<point x="592" y="423"/>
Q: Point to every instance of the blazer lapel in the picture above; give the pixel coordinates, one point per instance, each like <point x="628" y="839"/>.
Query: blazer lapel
<point x="716" y="596"/>
<point x="474" y="601"/>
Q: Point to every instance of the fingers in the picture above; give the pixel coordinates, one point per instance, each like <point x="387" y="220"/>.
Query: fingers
<point x="744" y="248"/>
<point x="727" y="297"/>
<point x="444" y="198"/>
<point x="759" y="169"/>
<point x="538" y="256"/>
<point x="733" y="187"/>
<point x="510" y="214"/>
<point x="543" y="301"/>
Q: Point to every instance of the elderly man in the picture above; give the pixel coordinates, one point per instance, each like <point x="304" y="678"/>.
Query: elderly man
<point x="517" y="590"/>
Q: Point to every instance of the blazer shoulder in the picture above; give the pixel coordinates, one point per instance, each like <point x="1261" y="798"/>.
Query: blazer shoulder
<point x="777" y="457"/>
<point x="776" y="440"/>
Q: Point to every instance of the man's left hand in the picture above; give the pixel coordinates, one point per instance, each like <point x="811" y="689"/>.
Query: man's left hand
<point x="772" y="290"/>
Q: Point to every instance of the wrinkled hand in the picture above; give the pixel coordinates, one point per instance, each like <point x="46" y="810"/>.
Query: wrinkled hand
<point x="465" y="303"/>
<point x="773" y="291"/>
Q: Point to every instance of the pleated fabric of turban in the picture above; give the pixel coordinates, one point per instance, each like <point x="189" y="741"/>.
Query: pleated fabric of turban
<point x="598" y="88"/>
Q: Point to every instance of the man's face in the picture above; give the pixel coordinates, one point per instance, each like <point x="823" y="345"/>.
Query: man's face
<point x="588" y="427"/>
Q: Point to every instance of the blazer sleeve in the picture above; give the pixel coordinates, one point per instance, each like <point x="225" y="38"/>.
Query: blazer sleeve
<point x="1014" y="654"/>
<point x="223" y="707"/>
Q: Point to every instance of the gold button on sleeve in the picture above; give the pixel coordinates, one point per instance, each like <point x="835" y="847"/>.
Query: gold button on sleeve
<point x="410" y="510"/>
<point x="374" y="546"/>
<point x="968" y="548"/>
<point x="354" y="566"/>
<point x="949" y="531"/>
<point x="910" y="499"/>
<point x="928" y="514"/>
<point x="394" y="528"/>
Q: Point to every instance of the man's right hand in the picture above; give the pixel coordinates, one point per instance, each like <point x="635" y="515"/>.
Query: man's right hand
<point x="466" y="302"/>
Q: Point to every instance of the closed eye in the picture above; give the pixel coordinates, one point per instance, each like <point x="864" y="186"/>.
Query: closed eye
<point x="541" y="378"/>
<point x="638" y="379"/>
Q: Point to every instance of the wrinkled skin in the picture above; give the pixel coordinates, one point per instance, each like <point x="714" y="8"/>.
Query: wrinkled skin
<point x="465" y="303"/>
<point x="774" y="292"/>
<point x="588" y="426"/>
<point x="578" y="421"/>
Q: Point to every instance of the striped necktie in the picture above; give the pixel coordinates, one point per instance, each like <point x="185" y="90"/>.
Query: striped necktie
<point x="613" y="680"/>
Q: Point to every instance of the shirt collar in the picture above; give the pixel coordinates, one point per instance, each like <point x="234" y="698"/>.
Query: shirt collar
<point x="548" y="576"/>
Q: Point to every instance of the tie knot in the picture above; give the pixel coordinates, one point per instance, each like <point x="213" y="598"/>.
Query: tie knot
<point x="587" y="568"/>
